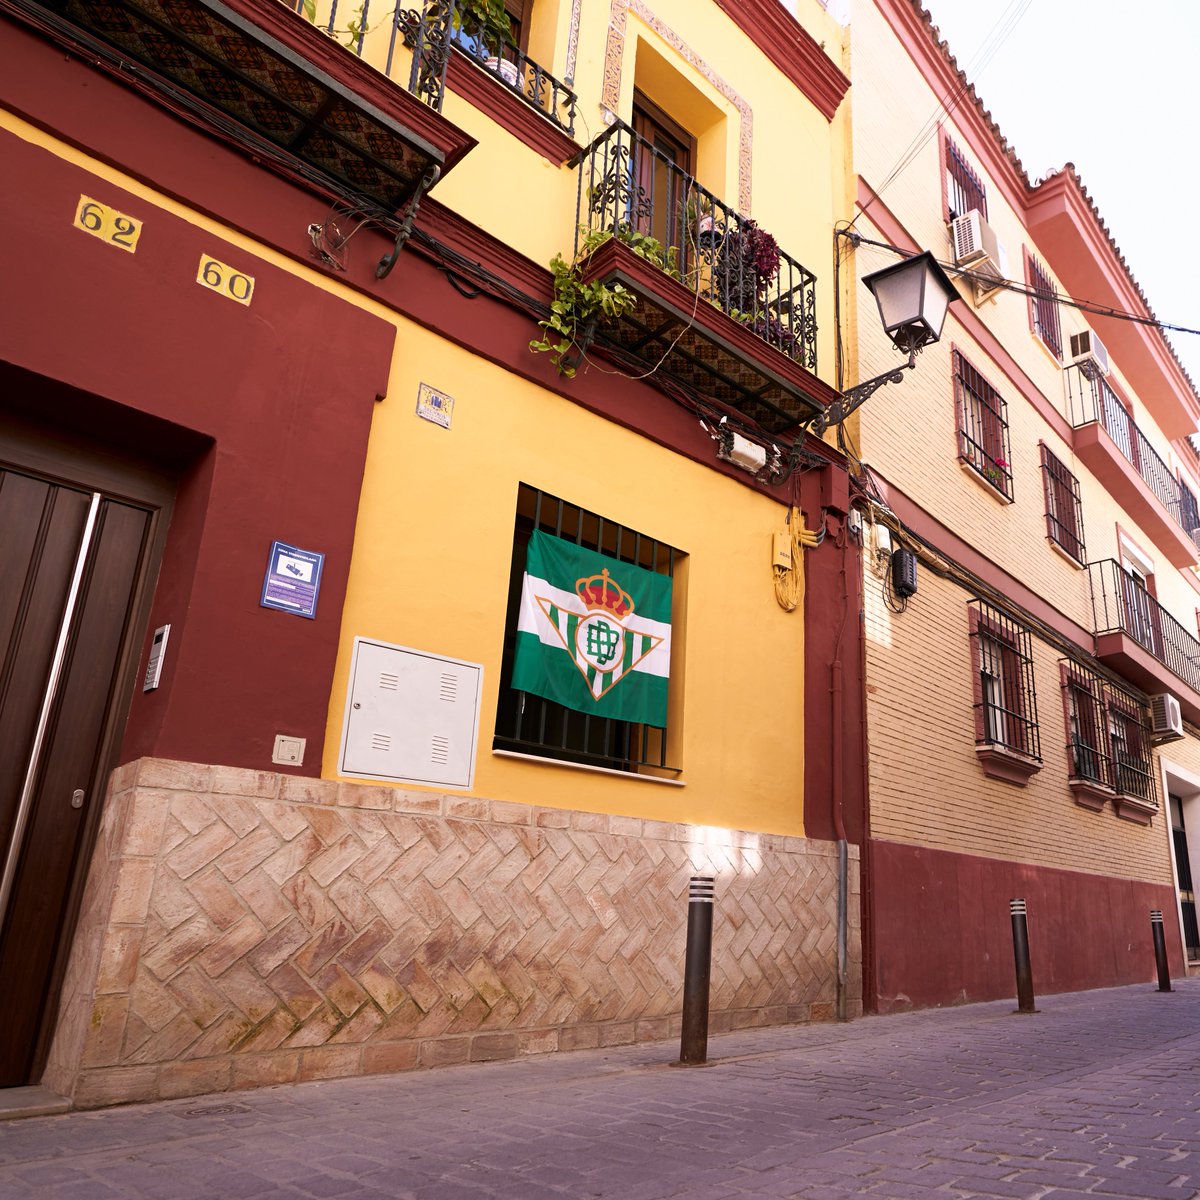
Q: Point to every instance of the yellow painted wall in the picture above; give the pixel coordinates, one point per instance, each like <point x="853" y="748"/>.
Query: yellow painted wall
<point x="436" y="523"/>
<point x="434" y="539"/>
<point x="431" y="565"/>
<point x="695" y="62"/>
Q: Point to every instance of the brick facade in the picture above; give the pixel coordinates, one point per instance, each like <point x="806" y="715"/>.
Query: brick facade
<point x="244" y="928"/>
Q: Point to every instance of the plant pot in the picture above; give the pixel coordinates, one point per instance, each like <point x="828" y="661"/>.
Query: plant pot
<point x="505" y="69"/>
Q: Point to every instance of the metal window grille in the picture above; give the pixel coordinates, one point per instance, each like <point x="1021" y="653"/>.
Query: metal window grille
<point x="1129" y="734"/>
<point x="1006" y="704"/>
<point x="1064" y="512"/>
<point x="1108" y="734"/>
<point x="1088" y="754"/>
<point x="964" y="189"/>
<point x="982" y="426"/>
<point x="1045" y="308"/>
<point x="534" y="725"/>
<point x="1189" y="512"/>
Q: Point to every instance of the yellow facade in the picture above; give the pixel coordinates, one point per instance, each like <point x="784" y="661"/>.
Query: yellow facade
<point x="443" y="500"/>
<point x="244" y="911"/>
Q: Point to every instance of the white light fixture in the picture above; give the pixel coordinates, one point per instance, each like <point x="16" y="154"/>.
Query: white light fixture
<point x="913" y="296"/>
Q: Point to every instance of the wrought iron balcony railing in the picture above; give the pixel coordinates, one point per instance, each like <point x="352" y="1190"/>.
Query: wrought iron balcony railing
<point x="628" y="187"/>
<point x="1093" y="400"/>
<point x="1189" y="513"/>
<point x="1120" y="604"/>
<point x="433" y="31"/>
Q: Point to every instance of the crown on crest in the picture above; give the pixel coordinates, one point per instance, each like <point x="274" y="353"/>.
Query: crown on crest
<point x="601" y="593"/>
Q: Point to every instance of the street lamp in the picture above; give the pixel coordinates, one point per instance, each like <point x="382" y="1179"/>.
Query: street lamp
<point x="912" y="296"/>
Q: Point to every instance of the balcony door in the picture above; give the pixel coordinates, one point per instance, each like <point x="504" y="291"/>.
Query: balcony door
<point x="664" y="165"/>
<point x="1141" y="609"/>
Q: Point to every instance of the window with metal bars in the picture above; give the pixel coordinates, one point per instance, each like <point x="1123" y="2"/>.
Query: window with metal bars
<point x="1043" y="307"/>
<point x="982" y="427"/>
<point x="1064" y="514"/>
<point x="1005" y="697"/>
<point x="531" y="724"/>
<point x="1088" y="756"/>
<point x="964" y="189"/>
<point x="1108" y="735"/>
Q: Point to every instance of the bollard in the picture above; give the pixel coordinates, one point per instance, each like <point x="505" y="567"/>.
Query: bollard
<point x="1020" y="929"/>
<point x="693" y="1039"/>
<point x="1160" y="950"/>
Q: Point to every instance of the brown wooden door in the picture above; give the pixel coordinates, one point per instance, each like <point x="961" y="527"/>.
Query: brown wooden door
<point x="69" y="566"/>
<point x="663" y="170"/>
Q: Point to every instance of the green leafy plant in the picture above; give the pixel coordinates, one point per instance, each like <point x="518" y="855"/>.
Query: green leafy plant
<point x="486" y="21"/>
<point x="355" y="29"/>
<point x="993" y="472"/>
<point x="577" y="306"/>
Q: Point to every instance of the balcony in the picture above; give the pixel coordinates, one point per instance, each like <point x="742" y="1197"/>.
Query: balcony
<point x="271" y="83"/>
<point x="1140" y="640"/>
<point x="434" y="42"/>
<point x="1116" y="451"/>
<point x="733" y="318"/>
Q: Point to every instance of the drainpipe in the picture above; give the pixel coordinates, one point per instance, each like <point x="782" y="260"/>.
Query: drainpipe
<point x="836" y="689"/>
<point x="835" y="700"/>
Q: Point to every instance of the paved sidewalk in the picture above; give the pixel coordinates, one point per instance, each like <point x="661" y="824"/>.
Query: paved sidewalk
<point x="1096" y="1096"/>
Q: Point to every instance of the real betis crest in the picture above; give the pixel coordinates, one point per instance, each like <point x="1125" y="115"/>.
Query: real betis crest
<point x="594" y="633"/>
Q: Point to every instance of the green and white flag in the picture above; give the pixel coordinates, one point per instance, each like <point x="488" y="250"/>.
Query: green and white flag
<point x="594" y="633"/>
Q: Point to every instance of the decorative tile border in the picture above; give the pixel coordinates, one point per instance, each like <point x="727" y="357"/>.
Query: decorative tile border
<point x="610" y="96"/>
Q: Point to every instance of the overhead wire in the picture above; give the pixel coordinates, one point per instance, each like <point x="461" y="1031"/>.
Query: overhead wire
<point x="1024" y="289"/>
<point x="978" y="62"/>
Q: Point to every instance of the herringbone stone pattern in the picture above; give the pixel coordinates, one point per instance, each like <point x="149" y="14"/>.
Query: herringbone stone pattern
<point x="244" y="928"/>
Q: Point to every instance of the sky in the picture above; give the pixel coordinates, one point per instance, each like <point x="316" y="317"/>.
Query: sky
<point x="1113" y="87"/>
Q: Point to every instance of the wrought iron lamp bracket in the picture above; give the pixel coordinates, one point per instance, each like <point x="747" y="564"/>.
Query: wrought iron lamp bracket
<point x="855" y="397"/>
<point x="388" y="261"/>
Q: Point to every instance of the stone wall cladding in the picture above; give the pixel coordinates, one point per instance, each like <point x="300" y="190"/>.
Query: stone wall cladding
<point x="244" y="928"/>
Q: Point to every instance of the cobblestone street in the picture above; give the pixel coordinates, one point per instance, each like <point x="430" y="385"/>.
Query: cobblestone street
<point x="1093" y="1096"/>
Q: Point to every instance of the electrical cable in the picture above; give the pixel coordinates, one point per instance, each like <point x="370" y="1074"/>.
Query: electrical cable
<point x="982" y="58"/>
<point x="789" y="580"/>
<point x="949" y="568"/>
<point x="1023" y="289"/>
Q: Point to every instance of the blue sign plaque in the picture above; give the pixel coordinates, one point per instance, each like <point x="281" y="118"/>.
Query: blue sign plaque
<point x="293" y="580"/>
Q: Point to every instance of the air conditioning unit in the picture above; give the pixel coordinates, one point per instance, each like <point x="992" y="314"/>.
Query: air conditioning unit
<point x="976" y="249"/>
<point x="1088" y="352"/>
<point x="1166" y="719"/>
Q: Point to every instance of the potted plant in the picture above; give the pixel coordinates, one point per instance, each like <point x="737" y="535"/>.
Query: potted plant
<point x="486" y="28"/>
<point x="993" y="472"/>
<point x="578" y="307"/>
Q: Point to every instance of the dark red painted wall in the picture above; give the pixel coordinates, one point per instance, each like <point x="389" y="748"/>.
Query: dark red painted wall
<point x="834" y="776"/>
<point x="285" y="390"/>
<point x="943" y="934"/>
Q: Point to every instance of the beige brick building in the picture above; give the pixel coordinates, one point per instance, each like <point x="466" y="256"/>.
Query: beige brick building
<point x="1032" y="707"/>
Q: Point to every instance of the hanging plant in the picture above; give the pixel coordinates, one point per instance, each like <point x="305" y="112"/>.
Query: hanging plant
<point x="577" y="307"/>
